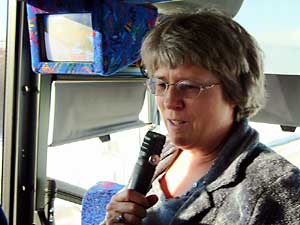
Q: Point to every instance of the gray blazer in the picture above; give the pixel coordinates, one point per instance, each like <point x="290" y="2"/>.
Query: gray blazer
<point x="248" y="184"/>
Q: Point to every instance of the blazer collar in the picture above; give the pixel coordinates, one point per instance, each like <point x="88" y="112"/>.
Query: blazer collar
<point x="197" y="204"/>
<point x="233" y="157"/>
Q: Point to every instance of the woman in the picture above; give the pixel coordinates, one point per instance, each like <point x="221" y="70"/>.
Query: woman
<point x="206" y="73"/>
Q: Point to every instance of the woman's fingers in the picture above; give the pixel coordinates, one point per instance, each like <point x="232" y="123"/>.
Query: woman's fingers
<point x="127" y="207"/>
<point x="129" y="195"/>
<point x="132" y="219"/>
<point x="121" y="218"/>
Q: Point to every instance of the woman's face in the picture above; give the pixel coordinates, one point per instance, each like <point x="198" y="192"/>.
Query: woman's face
<point x="199" y="123"/>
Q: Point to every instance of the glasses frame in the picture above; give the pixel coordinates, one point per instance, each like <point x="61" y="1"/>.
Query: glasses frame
<point x="151" y="82"/>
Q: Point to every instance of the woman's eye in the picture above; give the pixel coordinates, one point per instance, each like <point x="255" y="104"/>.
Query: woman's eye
<point x="187" y="86"/>
<point x="161" y="84"/>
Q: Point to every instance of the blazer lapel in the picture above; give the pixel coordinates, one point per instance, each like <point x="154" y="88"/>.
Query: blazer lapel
<point x="197" y="204"/>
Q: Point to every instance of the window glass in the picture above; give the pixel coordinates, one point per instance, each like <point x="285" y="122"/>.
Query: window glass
<point x="276" y="26"/>
<point x="284" y="143"/>
<point x="67" y="213"/>
<point x="84" y="163"/>
<point x="3" y="19"/>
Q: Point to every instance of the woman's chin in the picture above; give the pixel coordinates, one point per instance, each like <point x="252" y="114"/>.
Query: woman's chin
<point x="179" y="140"/>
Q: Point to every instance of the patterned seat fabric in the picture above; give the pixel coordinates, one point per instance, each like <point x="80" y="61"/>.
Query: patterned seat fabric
<point x="118" y="30"/>
<point x="95" y="201"/>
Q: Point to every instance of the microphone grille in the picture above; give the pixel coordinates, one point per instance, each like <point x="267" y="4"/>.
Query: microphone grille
<point x="153" y="143"/>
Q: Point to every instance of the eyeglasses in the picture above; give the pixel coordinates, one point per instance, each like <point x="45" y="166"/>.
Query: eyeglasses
<point x="184" y="88"/>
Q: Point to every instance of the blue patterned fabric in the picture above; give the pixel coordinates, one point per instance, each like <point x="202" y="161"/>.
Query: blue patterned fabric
<point x="118" y="30"/>
<point x="3" y="220"/>
<point x="95" y="201"/>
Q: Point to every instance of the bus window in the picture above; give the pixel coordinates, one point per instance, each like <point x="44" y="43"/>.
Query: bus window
<point x="277" y="32"/>
<point x="87" y="162"/>
<point x="67" y="213"/>
<point x="284" y="143"/>
<point x="84" y="163"/>
<point x="3" y="15"/>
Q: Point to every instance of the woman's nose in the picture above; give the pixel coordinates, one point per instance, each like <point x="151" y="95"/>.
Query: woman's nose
<point x="172" y="99"/>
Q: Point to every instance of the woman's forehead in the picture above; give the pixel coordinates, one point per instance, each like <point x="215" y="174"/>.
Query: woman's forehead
<point x="184" y="72"/>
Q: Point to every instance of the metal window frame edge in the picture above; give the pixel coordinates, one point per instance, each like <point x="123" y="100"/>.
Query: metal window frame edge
<point x="9" y="93"/>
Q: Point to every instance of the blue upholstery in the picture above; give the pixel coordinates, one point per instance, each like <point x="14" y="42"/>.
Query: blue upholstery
<point x="95" y="201"/>
<point x="118" y="31"/>
<point x="3" y="220"/>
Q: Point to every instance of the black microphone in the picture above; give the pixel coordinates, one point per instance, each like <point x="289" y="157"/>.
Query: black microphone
<point x="148" y="159"/>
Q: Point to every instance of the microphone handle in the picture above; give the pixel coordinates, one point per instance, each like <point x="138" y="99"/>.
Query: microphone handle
<point x="147" y="161"/>
<point x="142" y="176"/>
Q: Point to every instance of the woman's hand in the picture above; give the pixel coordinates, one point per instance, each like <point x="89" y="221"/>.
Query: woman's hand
<point x="128" y="207"/>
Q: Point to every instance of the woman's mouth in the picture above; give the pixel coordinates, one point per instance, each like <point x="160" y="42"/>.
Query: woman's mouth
<point x="177" y="123"/>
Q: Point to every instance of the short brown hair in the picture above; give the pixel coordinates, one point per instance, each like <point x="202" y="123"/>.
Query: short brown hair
<point x="219" y="44"/>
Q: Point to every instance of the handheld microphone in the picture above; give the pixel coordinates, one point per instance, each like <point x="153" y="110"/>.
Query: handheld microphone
<point x="148" y="159"/>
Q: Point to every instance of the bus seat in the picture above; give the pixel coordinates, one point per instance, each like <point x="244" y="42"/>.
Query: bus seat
<point x="3" y="220"/>
<point x="95" y="200"/>
<point x="105" y="38"/>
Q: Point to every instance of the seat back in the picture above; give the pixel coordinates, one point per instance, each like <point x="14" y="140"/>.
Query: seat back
<point x="95" y="201"/>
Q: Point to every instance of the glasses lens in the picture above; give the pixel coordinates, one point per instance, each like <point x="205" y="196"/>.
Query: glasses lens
<point x="160" y="87"/>
<point x="184" y="89"/>
<point x="156" y="86"/>
<point x="187" y="89"/>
